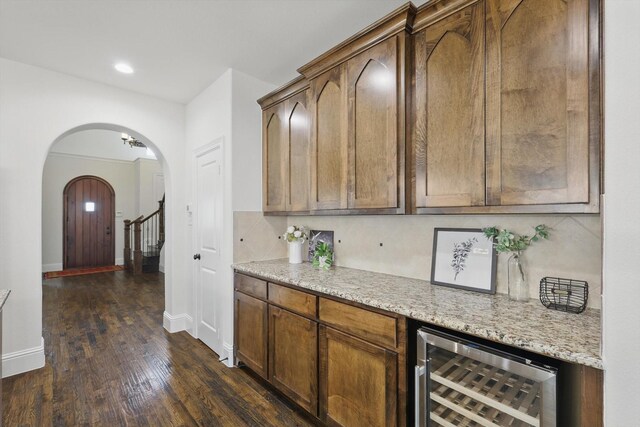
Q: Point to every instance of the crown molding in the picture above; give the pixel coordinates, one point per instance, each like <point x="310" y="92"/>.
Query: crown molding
<point x="100" y="159"/>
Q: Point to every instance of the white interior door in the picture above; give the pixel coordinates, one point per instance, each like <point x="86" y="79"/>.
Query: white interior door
<point x="208" y="238"/>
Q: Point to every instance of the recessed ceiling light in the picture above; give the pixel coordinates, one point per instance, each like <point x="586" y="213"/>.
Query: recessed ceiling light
<point x="124" y="68"/>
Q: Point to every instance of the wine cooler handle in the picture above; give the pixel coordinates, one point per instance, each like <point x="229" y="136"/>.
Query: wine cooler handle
<point x="418" y="371"/>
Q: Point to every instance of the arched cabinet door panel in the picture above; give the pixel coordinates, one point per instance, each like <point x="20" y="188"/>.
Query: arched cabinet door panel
<point x="448" y="132"/>
<point x="537" y="101"/>
<point x="274" y="158"/>
<point x="329" y="140"/>
<point x="373" y="93"/>
<point x="298" y="128"/>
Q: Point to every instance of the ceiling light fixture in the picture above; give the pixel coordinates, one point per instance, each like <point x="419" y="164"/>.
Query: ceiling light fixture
<point x="125" y="137"/>
<point x="124" y="68"/>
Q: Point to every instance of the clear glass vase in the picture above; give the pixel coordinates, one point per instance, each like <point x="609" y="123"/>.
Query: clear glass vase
<point x="518" y="285"/>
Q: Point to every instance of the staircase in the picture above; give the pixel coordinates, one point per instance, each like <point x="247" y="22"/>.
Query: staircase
<point x="147" y="235"/>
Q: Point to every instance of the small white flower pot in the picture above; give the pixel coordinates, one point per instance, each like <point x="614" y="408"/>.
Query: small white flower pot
<point x="295" y="252"/>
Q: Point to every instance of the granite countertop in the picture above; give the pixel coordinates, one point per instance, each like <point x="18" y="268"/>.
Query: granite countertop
<point x="4" y="294"/>
<point x="527" y="325"/>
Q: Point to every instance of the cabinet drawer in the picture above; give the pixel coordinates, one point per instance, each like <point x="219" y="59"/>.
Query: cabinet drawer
<point x="373" y="327"/>
<point x="250" y="285"/>
<point x="298" y="301"/>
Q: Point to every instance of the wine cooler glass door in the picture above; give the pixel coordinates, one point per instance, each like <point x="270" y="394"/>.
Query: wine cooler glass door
<point x="462" y="383"/>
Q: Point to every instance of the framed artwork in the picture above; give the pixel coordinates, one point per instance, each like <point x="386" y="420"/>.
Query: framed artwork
<point x="316" y="236"/>
<point x="463" y="258"/>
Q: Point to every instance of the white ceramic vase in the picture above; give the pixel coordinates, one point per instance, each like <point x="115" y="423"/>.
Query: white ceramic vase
<point x="295" y="252"/>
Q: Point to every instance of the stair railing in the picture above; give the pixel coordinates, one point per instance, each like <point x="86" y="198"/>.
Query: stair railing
<point x="147" y="234"/>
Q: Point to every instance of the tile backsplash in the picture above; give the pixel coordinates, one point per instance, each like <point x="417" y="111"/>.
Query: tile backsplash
<point x="402" y="245"/>
<point x="255" y="237"/>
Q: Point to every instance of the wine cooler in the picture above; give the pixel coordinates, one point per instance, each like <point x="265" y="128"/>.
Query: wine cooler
<point x="461" y="383"/>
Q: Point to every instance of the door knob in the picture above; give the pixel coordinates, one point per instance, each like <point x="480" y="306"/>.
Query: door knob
<point x="196" y="256"/>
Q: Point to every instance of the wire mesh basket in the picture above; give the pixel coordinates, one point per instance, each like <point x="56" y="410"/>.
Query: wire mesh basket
<point x="564" y="294"/>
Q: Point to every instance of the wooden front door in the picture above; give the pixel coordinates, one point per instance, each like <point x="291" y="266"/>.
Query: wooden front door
<point x="89" y="216"/>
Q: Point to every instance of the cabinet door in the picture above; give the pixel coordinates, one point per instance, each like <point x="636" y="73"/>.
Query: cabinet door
<point x="274" y="159"/>
<point x="293" y="357"/>
<point x="298" y="126"/>
<point x="358" y="381"/>
<point x="251" y="332"/>
<point x="329" y="140"/>
<point x="537" y="102"/>
<point x="373" y="127"/>
<point x="448" y="135"/>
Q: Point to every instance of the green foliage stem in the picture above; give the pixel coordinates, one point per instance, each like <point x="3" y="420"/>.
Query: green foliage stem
<point x="507" y="241"/>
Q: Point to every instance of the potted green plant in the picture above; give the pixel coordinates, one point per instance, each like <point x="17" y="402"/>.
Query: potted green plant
<point x="506" y="241"/>
<point x="323" y="256"/>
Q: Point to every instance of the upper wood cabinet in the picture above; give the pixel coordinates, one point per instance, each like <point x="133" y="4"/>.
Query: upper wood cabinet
<point x="537" y="102"/>
<point x="286" y="144"/>
<point x="358" y="120"/>
<point x="448" y="131"/>
<point x="358" y="134"/>
<point x="298" y="126"/>
<point x="510" y="87"/>
<point x="460" y="106"/>
<point x="274" y="159"/>
<point x="329" y="161"/>
<point x="374" y="127"/>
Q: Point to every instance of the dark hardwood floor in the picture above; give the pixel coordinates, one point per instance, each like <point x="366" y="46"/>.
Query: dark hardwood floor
<point x="109" y="362"/>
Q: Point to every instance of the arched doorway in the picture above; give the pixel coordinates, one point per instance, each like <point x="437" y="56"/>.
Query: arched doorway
<point x="89" y="220"/>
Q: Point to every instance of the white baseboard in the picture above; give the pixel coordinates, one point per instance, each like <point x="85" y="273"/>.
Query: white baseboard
<point x="192" y="331"/>
<point x="51" y="267"/>
<point x="21" y="361"/>
<point x="161" y="268"/>
<point x="228" y="354"/>
<point x="180" y="322"/>
<point x="119" y="261"/>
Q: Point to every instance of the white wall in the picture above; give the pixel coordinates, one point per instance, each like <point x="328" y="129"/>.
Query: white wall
<point x="621" y="316"/>
<point x="58" y="171"/>
<point x="207" y="118"/>
<point x="37" y="107"/>
<point x="226" y="108"/>
<point x="146" y="199"/>
<point x="247" y="141"/>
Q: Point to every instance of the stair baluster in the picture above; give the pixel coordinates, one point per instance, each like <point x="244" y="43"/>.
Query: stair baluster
<point x="148" y="240"/>
<point x="127" y="244"/>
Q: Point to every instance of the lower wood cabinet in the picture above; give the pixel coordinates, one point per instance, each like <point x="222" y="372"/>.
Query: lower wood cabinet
<point x="293" y="357"/>
<point x="342" y="363"/>
<point x="358" y="381"/>
<point x="251" y="332"/>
